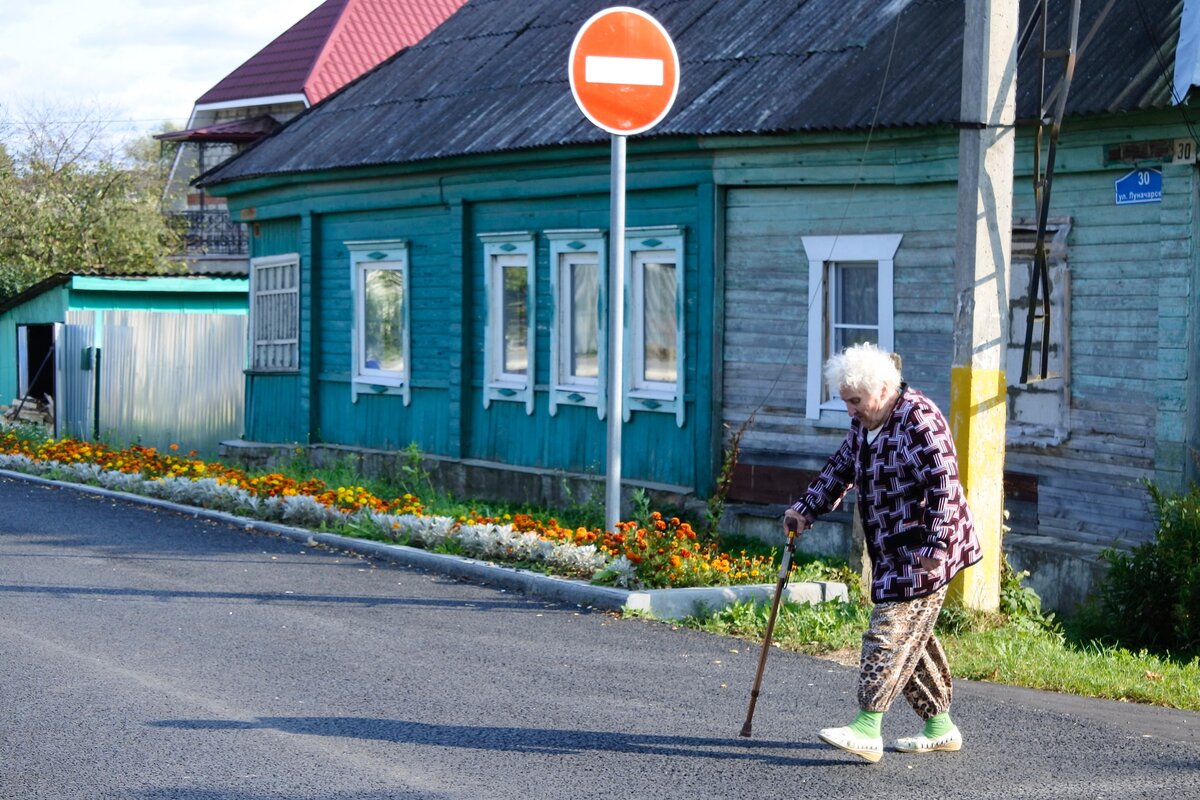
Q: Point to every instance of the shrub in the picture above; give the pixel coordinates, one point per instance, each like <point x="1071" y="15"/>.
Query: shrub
<point x="1150" y="598"/>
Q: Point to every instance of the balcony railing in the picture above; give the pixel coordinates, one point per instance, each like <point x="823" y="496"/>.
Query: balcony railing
<point x="211" y="233"/>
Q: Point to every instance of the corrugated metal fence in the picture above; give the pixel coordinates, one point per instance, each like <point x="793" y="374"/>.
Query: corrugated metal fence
<point x="165" y="378"/>
<point x="75" y="403"/>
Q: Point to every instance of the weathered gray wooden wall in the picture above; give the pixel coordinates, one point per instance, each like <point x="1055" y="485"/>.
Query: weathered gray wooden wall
<point x="1132" y="306"/>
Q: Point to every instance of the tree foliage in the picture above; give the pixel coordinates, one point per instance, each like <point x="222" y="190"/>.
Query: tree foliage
<point x="70" y="203"/>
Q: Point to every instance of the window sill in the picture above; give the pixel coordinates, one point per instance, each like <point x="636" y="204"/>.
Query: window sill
<point x="364" y="385"/>
<point x="660" y="402"/>
<point x="389" y="381"/>
<point x="832" y="417"/>
<point x="509" y="392"/>
<point x="261" y="371"/>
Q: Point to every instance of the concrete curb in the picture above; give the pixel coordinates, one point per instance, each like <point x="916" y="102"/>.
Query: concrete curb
<point x="659" y="603"/>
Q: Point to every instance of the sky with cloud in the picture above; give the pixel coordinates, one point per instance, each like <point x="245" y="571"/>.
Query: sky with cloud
<point x="139" y="64"/>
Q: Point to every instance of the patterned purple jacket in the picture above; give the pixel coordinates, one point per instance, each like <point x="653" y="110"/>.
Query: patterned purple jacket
<point x="909" y="498"/>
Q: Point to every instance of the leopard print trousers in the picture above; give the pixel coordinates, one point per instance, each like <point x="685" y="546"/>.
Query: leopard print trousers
<point x="901" y="654"/>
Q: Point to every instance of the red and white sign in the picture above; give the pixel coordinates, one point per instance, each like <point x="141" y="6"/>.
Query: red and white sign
<point x="624" y="70"/>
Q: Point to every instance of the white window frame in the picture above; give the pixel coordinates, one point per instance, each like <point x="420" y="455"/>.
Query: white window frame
<point x="824" y="252"/>
<point x="500" y="251"/>
<point x="278" y="319"/>
<point x="390" y="254"/>
<point x="568" y="248"/>
<point x="660" y="243"/>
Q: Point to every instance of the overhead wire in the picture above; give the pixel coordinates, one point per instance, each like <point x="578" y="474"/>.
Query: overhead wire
<point x="845" y="210"/>
<point x="1177" y="101"/>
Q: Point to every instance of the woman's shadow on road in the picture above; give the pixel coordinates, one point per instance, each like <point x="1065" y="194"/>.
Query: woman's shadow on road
<point x="519" y="740"/>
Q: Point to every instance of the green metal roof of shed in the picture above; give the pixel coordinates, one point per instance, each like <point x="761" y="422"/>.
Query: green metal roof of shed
<point x="161" y="284"/>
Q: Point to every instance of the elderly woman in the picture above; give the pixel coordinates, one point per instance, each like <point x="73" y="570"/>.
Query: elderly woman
<point x="899" y="455"/>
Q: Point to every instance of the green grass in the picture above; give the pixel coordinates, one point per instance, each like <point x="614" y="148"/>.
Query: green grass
<point x="983" y="647"/>
<point x="1042" y="660"/>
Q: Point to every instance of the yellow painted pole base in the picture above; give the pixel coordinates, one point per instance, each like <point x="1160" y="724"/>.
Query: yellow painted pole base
<point x="977" y="419"/>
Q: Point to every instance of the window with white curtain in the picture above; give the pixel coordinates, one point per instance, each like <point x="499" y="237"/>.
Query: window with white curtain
<point x="509" y="352"/>
<point x="849" y="301"/>
<point x="578" y="357"/>
<point x="380" y="348"/>
<point x="654" y="354"/>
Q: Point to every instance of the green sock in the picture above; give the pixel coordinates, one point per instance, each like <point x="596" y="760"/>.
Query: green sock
<point x="868" y="724"/>
<point x="936" y="727"/>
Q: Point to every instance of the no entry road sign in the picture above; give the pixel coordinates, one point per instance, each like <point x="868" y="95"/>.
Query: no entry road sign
<point x="624" y="70"/>
<point x="624" y="74"/>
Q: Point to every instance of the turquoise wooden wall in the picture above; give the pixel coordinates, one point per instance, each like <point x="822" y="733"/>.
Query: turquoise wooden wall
<point x="440" y="217"/>
<point x="578" y="441"/>
<point x="277" y="405"/>
<point x="383" y="422"/>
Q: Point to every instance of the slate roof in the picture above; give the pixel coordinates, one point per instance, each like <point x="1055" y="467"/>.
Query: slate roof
<point x="493" y="77"/>
<point x="331" y="46"/>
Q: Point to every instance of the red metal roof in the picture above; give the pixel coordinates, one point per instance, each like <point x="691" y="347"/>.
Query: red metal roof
<point x="333" y="45"/>
<point x="235" y="131"/>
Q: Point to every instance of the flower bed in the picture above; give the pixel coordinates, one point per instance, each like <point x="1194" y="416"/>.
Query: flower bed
<point x="664" y="552"/>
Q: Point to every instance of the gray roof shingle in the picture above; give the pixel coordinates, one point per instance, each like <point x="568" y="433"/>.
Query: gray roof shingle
<point x="493" y="77"/>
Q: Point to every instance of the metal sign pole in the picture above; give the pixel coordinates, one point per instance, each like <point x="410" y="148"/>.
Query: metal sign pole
<point x="616" y="334"/>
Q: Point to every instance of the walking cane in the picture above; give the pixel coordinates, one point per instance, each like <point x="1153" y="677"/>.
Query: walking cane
<point x="784" y="569"/>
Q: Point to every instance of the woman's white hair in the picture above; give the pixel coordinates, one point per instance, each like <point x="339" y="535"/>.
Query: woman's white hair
<point x="864" y="367"/>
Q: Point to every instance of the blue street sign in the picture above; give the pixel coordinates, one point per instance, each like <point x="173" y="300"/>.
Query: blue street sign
<point x="1139" y="186"/>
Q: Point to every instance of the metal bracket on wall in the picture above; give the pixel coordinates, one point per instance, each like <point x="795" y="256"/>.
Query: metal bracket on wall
<point x="1049" y="125"/>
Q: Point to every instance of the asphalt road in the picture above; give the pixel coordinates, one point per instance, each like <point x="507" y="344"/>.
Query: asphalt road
<point x="146" y="654"/>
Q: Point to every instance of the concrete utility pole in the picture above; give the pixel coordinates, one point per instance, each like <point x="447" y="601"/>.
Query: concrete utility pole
<point x="978" y="387"/>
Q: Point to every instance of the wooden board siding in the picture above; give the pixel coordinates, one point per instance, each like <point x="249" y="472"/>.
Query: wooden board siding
<point x="441" y="217"/>
<point x="1132" y="328"/>
<point x="277" y="404"/>
<point x="1133" y="273"/>
<point x="766" y="298"/>
<point x="575" y="439"/>
<point x="277" y="413"/>
<point x="384" y="422"/>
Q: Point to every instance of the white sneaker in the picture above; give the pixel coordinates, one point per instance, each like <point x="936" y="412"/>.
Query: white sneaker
<point x="850" y="741"/>
<point x="921" y="743"/>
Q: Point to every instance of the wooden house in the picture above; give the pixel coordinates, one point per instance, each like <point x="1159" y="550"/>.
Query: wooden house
<point x="428" y="248"/>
